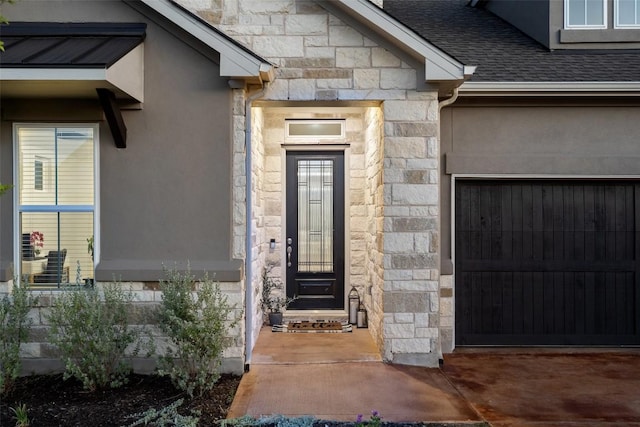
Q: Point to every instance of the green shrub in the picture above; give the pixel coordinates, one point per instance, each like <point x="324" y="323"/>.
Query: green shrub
<point x="90" y="328"/>
<point x="167" y="416"/>
<point x="195" y="316"/>
<point x="14" y="330"/>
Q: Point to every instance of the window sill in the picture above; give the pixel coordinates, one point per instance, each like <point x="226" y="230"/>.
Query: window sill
<point x="600" y="36"/>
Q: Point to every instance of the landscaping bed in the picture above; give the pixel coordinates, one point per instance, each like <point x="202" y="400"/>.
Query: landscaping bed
<point x="51" y="401"/>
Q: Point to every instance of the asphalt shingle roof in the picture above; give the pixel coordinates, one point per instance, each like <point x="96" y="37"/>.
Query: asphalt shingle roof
<point x="503" y="53"/>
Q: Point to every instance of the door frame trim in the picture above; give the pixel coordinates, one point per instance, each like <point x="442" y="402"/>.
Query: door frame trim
<point x="463" y="176"/>
<point x="346" y="149"/>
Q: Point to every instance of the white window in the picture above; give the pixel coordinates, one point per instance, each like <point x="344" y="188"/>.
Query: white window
<point x="55" y="202"/>
<point x="627" y="13"/>
<point x="585" y="14"/>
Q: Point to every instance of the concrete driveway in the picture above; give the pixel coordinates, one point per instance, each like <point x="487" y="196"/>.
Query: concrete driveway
<point x="337" y="376"/>
<point x="549" y="387"/>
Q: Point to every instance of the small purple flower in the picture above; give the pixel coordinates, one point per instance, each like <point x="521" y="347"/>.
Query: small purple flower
<point x="374" y="413"/>
<point x="359" y="418"/>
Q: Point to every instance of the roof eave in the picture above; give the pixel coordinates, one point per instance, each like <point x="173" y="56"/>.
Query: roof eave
<point x="125" y="78"/>
<point x="439" y="66"/>
<point x="235" y="61"/>
<point x="471" y="88"/>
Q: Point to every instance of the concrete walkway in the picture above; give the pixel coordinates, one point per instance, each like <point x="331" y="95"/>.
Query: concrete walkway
<point x="337" y="376"/>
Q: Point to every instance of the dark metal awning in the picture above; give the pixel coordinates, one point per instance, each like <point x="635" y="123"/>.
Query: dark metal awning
<point x="43" y="59"/>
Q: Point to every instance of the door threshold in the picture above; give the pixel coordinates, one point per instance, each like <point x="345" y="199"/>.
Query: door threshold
<point x="315" y="315"/>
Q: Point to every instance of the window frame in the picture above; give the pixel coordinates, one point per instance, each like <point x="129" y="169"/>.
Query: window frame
<point x="616" y="16"/>
<point x="18" y="209"/>
<point x="568" y="26"/>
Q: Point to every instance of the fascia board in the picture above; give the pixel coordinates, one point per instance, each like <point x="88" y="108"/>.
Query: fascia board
<point x="571" y="88"/>
<point x="438" y="65"/>
<point x="234" y="62"/>
<point x="61" y="74"/>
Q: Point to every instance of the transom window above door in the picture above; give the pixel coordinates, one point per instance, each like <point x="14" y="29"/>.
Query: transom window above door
<point x="314" y="130"/>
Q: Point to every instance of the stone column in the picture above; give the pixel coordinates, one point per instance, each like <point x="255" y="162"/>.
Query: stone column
<point x="411" y="262"/>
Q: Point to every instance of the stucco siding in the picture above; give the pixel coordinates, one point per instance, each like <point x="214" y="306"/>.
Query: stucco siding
<point x="561" y="138"/>
<point x="166" y="197"/>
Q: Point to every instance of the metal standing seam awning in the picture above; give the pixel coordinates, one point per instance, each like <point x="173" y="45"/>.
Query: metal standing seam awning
<point x="75" y="60"/>
<point x="43" y="59"/>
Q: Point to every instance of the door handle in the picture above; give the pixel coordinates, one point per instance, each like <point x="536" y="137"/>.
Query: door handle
<point x="289" y="250"/>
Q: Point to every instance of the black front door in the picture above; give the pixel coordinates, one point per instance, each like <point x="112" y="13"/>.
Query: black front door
<point x="315" y="229"/>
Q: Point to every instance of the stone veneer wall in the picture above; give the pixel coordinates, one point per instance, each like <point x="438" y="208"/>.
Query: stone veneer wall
<point x="374" y="237"/>
<point x="274" y="132"/>
<point x="40" y="357"/>
<point x="446" y="314"/>
<point x="411" y="240"/>
<point x="320" y="58"/>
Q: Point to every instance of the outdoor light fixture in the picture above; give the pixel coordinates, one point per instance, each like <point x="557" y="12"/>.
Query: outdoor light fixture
<point x="354" y="304"/>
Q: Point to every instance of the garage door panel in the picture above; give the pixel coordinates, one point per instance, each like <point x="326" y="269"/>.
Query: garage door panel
<point x="546" y="263"/>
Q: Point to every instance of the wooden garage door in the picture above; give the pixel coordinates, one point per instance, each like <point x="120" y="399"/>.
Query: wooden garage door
<point x="547" y="263"/>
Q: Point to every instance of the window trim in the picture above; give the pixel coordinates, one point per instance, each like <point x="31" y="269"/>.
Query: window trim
<point x="18" y="208"/>
<point x="567" y="25"/>
<point x="616" y="23"/>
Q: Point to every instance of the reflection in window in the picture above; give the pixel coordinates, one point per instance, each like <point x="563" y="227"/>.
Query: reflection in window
<point x="38" y="172"/>
<point x="56" y="203"/>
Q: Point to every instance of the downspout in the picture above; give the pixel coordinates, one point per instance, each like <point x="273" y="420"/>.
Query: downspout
<point x="248" y="259"/>
<point x="442" y="104"/>
<point x="450" y="100"/>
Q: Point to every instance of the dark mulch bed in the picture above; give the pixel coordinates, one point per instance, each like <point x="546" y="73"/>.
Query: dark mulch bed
<point x="51" y="401"/>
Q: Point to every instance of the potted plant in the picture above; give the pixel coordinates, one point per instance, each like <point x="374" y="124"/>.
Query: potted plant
<point x="273" y="300"/>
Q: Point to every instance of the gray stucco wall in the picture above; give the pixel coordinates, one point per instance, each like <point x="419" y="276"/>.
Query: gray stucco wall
<point x="555" y="137"/>
<point x="530" y="16"/>
<point x="167" y="197"/>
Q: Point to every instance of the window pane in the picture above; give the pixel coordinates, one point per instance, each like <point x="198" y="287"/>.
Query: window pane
<point x="66" y="156"/>
<point x="315" y="129"/>
<point x="36" y="144"/>
<point x="315" y="216"/>
<point x="585" y="13"/>
<point x="56" y="209"/>
<point x="595" y="12"/>
<point x="75" y="166"/>
<point x="52" y="237"/>
<point x="627" y="12"/>
<point x="576" y="10"/>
